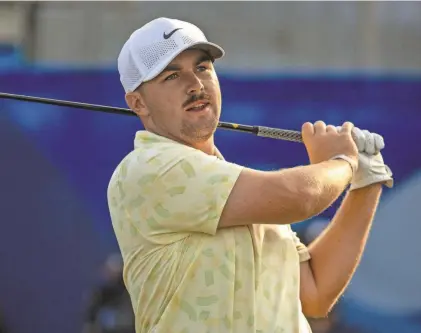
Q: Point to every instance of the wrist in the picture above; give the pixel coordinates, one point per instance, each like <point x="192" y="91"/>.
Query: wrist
<point x="368" y="190"/>
<point x="340" y="171"/>
<point x="343" y="159"/>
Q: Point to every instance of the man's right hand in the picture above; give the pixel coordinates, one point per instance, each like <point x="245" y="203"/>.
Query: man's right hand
<point x="324" y="142"/>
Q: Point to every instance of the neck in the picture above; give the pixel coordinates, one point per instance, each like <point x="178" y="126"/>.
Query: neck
<point x="208" y="146"/>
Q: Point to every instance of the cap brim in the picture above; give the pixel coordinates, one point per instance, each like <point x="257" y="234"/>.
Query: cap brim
<point x="214" y="50"/>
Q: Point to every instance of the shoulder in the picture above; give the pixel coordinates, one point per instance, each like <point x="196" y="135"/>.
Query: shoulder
<point x="158" y="165"/>
<point x="154" y="156"/>
<point x="145" y="158"/>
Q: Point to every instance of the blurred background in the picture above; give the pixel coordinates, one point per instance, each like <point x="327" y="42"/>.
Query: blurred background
<point x="286" y="63"/>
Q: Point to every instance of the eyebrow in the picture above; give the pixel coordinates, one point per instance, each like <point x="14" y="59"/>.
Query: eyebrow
<point x="173" y="67"/>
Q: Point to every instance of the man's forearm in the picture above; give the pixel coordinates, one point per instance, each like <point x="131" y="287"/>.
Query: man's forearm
<point x="321" y="184"/>
<point x="336" y="253"/>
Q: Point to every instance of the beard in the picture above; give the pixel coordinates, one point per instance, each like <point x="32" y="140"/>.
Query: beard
<point x="200" y="130"/>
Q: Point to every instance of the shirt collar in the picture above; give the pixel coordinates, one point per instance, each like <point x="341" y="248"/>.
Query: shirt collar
<point x="147" y="137"/>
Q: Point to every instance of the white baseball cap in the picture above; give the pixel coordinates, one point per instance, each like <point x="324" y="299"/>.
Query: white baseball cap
<point x="152" y="47"/>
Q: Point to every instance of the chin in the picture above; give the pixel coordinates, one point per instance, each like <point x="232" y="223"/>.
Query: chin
<point x="200" y="132"/>
<point x="199" y="135"/>
<point x="202" y="135"/>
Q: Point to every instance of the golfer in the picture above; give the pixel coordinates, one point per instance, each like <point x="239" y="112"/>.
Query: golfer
<point x="207" y="244"/>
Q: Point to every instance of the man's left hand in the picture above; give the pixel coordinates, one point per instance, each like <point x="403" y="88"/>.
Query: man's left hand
<point x="371" y="167"/>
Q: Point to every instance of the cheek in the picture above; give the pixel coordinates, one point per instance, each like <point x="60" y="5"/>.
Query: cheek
<point x="168" y="104"/>
<point x="216" y="90"/>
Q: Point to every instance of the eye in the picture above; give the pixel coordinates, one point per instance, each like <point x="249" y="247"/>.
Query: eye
<point x="202" y="68"/>
<point x="171" y="77"/>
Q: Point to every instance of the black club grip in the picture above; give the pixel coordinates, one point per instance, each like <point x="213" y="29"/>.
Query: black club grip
<point x="280" y="134"/>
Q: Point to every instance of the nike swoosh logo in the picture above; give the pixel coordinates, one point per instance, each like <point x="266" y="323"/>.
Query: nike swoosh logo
<point x="166" y="36"/>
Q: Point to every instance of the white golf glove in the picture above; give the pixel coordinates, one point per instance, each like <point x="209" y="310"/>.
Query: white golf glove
<point x="371" y="168"/>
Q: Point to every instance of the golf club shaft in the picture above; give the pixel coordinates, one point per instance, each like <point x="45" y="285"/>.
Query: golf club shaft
<point x="267" y="132"/>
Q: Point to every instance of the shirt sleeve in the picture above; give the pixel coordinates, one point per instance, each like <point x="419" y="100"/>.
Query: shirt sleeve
<point x="169" y="194"/>
<point x="302" y="250"/>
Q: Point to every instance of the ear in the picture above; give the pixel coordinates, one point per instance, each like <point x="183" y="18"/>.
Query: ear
<point x="136" y="103"/>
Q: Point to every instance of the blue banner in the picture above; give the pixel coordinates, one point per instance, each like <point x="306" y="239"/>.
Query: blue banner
<point x="57" y="161"/>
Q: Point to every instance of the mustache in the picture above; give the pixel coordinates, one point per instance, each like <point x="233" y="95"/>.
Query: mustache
<point x="195" y="98"/>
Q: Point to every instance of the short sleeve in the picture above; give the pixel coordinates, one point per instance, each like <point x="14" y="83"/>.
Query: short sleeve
<point x="171" y="192"/>
<point x="302" y="250"/>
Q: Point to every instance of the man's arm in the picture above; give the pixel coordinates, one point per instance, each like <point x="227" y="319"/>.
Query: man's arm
<point x="336" y="253"/>
<point x="295" y="194"/>
<point x="286" y="196"/>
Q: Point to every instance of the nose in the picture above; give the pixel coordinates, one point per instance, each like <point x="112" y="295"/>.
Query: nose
<point x="195" y="85"/>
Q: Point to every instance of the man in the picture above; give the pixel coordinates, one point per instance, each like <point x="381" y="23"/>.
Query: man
<point x="207" y="244"/>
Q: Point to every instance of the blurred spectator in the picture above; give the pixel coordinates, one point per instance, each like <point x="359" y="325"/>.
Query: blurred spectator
<point x="3" y="328"/>
<point x="109" y="307"/>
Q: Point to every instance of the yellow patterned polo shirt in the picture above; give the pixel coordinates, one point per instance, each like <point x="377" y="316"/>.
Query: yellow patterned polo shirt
<point x="182" y="273"/>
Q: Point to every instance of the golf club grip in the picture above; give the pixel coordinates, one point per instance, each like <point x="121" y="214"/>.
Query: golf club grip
<point x="280" y="134"/>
